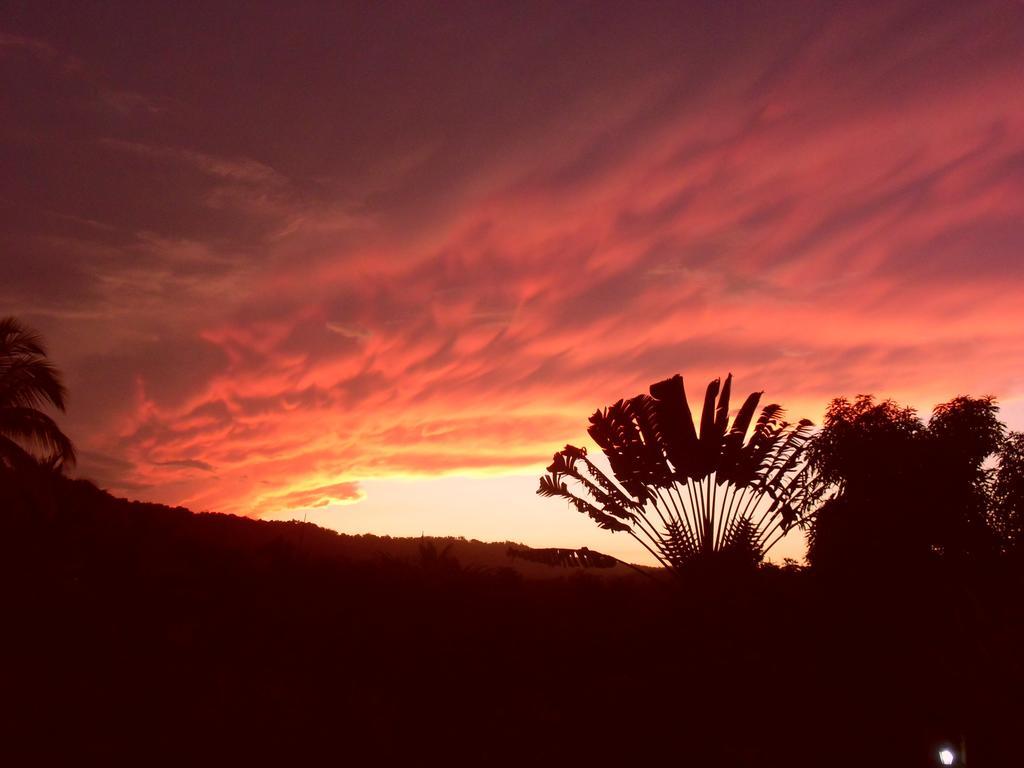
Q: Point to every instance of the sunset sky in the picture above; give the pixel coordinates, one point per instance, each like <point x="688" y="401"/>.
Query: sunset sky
<point x="372" y="265"/>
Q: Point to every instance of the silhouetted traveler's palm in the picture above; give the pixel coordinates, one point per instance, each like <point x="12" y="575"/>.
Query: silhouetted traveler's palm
<point x="686" y="494"/>
<point x="28" y="382"/>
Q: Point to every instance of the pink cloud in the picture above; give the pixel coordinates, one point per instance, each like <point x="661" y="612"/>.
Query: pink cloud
<point x="442" y="268"/>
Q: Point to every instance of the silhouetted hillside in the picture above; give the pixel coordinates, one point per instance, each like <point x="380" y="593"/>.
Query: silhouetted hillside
<point x="142" y="524"/>
<point x="142" y="634"/>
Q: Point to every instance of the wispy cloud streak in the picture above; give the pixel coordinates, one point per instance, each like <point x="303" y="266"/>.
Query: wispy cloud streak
<point x="358" y="272"/>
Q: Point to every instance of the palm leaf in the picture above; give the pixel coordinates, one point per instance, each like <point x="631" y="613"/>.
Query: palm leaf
<point x="613" y="503"/>
<point x="675" y="425"/>
<point x="34" y="429"/>
<point x="16" y="340"/>
<point x="610" y="431"/>
<point x="657" y="470"/>
<point x="606" y="484"/>
<point x="710" y="441"/>
<point x="551" y="485"/>
<point x="733" y="443"/>
<point x="766" y="429"/>
<point x="722" y="412"/>
<point x="30" y="382"/>
<point x="789" y="453"/>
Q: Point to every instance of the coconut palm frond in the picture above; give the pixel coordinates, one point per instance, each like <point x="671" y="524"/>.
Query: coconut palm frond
<point x="18" y="340"/>
<point x="28" y="382"/>
<point x="37" y="433"/>
<point x="13" y="456"/>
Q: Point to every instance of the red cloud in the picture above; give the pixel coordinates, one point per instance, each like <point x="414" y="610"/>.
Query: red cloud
<point x="445" y="269"/>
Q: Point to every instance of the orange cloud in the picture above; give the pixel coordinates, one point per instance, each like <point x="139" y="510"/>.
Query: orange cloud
<point x="338" y="493"/>
<point x="445" y="271"/>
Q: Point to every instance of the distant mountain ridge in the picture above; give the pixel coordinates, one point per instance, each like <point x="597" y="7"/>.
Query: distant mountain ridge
<point x="140" y="520"/>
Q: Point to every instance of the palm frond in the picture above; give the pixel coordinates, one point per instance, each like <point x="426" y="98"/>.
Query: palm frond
<point x="788" y="453"/>
<point x="17" y="340"/>
<point x="766" y="432"/>
<point x="36" y="432"/>
<point x="564" y="463"/>
<point x="30" y="382"/>
<point x="722" y="410"/>
<point x="733" y="443"/>
<point x="658" y="473"/>
<point x="551" y="485"/>
<point x="607" y="485"/>
<point x="676" y="430"/>
<point x="608" y="431"/>
<point x="13" y="456"/>
<point x="710" y="441"/>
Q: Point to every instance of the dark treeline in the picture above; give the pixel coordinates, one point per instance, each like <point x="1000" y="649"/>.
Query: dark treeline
<point x="139" y="632"/>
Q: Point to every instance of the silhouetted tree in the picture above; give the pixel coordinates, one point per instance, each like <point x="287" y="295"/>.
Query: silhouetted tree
<point x="689" y="495"/>
<point x="903" y="490"/>
<point x="28" y="382"/>
<point x="961" y="436"/>
<point x="1007" y="494"/>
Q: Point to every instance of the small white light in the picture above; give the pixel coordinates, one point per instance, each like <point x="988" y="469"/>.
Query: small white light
<point x="946" y="756"/>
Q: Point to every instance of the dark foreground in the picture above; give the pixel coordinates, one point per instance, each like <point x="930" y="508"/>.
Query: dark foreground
<point x="146" y="635"/>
